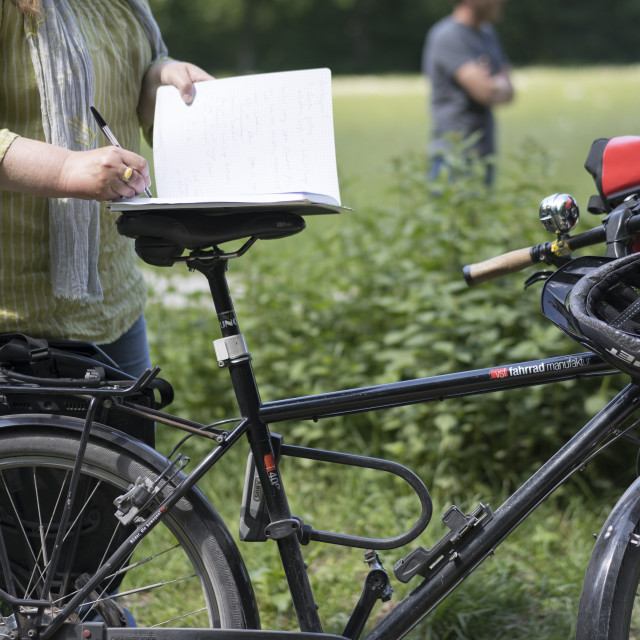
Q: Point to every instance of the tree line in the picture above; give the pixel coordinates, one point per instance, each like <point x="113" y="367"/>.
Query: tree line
<point x="383" y="36"/>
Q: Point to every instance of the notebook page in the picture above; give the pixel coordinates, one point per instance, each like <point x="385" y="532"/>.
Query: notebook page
<point x="248" y="135"/>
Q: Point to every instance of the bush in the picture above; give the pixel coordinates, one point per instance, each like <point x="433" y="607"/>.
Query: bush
<point x="378" y="298"/>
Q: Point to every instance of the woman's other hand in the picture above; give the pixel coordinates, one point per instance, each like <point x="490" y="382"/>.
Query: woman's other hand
<point x="182" y="75"/>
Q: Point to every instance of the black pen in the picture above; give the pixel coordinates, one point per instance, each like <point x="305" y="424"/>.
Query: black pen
<point x="111" y="138"/>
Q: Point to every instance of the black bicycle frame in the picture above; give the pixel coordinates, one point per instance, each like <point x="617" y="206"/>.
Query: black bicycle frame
<point x="473" y="548"/>
<point x="469" y="550"/>
<point x="479" y="544"/>
<point x="466" y="383"/>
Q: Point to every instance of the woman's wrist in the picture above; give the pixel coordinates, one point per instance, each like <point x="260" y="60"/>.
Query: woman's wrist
<point x="150" y="83"/>
<point x="33" y="167"/>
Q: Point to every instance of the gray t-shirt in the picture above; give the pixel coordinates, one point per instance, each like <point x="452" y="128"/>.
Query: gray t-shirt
<point x="449" y="45"/>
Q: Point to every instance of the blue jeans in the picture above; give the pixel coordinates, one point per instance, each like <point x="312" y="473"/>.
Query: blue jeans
<point x="131" y="350"/>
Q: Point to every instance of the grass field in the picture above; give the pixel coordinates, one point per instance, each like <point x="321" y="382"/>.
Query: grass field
<point x="563" y="110"/>
<point x="530" y="589"/>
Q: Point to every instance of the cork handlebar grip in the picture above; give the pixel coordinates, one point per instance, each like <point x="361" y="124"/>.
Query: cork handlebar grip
<point x="499" y="266"/>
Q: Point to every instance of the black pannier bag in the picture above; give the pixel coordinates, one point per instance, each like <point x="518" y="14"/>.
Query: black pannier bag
<point x="24" y="359"/>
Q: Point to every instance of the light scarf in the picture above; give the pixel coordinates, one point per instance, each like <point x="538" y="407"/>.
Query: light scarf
<point x="64" y="73"/>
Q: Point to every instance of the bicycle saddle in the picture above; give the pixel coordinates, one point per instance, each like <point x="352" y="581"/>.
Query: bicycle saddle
<point x="162" y="236"/>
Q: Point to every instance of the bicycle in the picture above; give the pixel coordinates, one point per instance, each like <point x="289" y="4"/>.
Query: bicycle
<point x="71" y="476"/>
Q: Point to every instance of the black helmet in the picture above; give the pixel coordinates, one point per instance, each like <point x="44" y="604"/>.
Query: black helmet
<point x="603" y="307"/>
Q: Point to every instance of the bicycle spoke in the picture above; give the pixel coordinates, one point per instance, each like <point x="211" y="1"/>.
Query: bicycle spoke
<point x="37" y="573"/>
<point x="182" y="617"/>
<point x="43" y="546"/>
<point x="73" y="528"/>
<point x="129" y="567"/>
<point x="94" y="604"/>
<point x="106" y="595"/>
<point x="110" y="579"/>
<point x="148" y="587"/>
<point x="81" y="512"/>
<point x="52" y="520"/>
<point x="143" y="561"/>
<point x="72" y="536"/>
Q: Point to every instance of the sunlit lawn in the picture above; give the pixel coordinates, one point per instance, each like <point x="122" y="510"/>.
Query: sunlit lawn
<point x="564" y="110"/>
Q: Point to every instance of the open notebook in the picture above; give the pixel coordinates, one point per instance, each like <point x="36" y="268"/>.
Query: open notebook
<point x="246" y="142"/>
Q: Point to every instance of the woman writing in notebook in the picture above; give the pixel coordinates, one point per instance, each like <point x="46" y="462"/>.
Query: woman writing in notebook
<point x="65" y="272"/>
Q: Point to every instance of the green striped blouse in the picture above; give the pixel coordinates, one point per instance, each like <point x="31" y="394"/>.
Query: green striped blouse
<point x="121" y="54"/>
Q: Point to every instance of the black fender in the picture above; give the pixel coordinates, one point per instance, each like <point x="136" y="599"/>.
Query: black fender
<point x="114" y="438"/>
<point x="613" y="543"/>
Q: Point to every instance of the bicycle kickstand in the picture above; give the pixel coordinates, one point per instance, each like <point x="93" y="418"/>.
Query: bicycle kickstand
<point x="376" y="587"/>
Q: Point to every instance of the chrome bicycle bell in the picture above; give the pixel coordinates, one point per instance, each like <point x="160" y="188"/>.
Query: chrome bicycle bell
<point x="559" y="213"/>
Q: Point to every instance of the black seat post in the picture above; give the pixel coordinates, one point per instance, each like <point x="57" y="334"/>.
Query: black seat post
<point x="215" y="271"/>
<point x="232" y="352"/>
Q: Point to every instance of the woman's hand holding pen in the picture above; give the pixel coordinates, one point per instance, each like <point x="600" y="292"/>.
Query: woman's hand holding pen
<point x="45" y="170"/>
<point x="106" y="173"/>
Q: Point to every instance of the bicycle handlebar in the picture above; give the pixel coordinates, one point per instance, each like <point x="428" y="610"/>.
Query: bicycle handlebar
<point x="520" y="259"/>
<point x="498" y="266"/>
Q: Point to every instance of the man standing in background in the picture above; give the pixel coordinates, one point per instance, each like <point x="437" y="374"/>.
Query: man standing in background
<point x="469" y="75"/>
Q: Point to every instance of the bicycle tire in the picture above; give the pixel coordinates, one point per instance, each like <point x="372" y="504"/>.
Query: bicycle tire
<point x="198" y="564"/>
<point x="622" y="603"/>
<point x="610" y="602"/>
<point x="624" y="621"/>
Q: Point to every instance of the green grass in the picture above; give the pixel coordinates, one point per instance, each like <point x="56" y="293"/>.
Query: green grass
<point x="530" y="589"/>
<point x="563" y="110"/>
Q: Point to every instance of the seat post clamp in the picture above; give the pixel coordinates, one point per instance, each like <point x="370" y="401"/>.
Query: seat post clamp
<point x="231" y="350"/>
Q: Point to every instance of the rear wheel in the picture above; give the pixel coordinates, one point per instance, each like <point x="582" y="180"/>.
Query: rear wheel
<point x="624" y="621"/>
<point x="181" y="574"/>
<point x="610" y="603"/>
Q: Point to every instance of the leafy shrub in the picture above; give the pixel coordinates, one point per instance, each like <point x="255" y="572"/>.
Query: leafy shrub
<point x="379" y="297"/>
